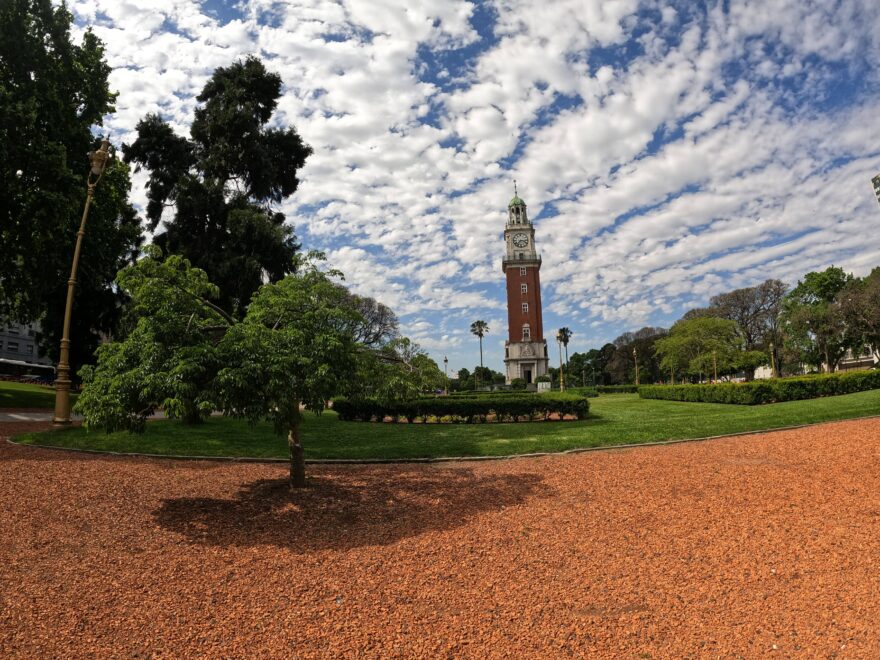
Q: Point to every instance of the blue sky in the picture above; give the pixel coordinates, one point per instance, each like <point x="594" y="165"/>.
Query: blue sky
<point x="668" y="151"/>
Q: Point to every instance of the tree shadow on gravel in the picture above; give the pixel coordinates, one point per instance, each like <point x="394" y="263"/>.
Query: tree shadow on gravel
<point x="347" y="510"/>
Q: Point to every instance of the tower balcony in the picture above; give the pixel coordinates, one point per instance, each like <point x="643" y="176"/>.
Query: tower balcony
<point x="523" y="260"/>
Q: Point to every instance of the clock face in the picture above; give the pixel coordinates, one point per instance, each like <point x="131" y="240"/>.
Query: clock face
<point x="520" y="240"/>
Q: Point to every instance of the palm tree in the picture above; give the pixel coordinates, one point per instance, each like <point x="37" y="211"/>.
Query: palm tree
<point x="564" y="335"/>
<point x="480" y="328"/>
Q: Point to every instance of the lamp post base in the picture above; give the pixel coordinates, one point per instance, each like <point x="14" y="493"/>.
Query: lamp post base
<point x="62" y="403"/>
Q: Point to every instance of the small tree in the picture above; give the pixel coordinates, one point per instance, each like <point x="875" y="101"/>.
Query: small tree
<point x="295" y="347"/>
<point x="168" y="360"/>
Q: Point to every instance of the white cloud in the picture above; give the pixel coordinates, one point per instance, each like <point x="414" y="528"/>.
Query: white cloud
<point x="707" y="152"/>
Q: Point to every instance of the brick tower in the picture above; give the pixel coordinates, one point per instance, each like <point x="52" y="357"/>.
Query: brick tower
<point x="525" y="351"/>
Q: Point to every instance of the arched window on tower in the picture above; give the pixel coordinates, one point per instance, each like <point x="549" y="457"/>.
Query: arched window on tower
<point x="527" y="332"/>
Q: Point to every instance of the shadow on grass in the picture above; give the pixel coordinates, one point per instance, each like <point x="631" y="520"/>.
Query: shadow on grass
<point x="343" y="510"/>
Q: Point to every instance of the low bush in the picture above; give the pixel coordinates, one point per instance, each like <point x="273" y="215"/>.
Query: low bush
<point x="588" y="392"/>
<point x="618" y="389"/>
<point x="467" y="410"/>
<point x="767" y="391"/>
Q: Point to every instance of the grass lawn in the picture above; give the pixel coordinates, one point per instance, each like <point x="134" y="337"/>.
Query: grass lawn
<point x="614" y="419"/>
<point x="23" y="395"/>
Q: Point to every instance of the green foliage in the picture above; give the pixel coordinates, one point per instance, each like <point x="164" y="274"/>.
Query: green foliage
<point x="859" y="304"/>
<point x="543" y="379"/>
<point x="223" y="180"/>
<point x="52" y="93"/>
<point x="618" y="389"/>
<point x="586" y="392"/>
<point x="699" y="345"/>
<point x="465" y="409"/>
<point x="399" y="371"/>
<point x="295" y="346"/>
<point x="27" y="395"/>
<point x="618" y="420"/>
<point x="767" y="391"/>
<point x="518" y="384"/>
<point x="168" y="360"/>
<point x="815" y="326"/>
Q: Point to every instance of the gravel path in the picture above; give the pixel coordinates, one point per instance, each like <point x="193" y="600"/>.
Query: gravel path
<point x="732" y="547"/>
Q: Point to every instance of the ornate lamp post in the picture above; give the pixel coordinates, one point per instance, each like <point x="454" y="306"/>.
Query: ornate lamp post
<point x="98" y="160"/>
<point x="446" y="373"/>
<point x="636" y="360"/>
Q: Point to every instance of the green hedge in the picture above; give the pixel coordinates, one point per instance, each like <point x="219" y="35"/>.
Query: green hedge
<point x="588" y="392"/>
<point x="461" y="409"/>
<point x="767" y="391"/>
<point x="618" y="389"/>
<point x="481" y="393"/>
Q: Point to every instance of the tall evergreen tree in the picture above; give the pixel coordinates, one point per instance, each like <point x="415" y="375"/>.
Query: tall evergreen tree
<point x="223" y="180"/>
<point x="52" y="93"/>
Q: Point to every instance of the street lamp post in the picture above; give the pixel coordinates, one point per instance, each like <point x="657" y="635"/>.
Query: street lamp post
<point x="446" y="373"/>
<point x="636" y="360"/>
<point x="98" y="160"/>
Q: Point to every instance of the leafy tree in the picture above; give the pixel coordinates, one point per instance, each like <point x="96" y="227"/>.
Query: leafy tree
<point x="518" y="384"/>
<point x="168" y="360"/>
<point x="814" y="322"/>
<point x="480" y="328"/>
<point x="755" y="310"/>
<point x="379" y="325"/>
<point x="52" y="92"/>
<point x="696" y="346"/>
<point x="399" y="371"/>
<point x="859" y="303"/>
<point x="619" y="362"/>
<point x="294" y="347"/>
<point x="223" y="181"/>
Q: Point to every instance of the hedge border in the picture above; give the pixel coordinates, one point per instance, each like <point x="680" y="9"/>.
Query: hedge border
<point x="762" y="392"/>
<point x="465" y="410"/>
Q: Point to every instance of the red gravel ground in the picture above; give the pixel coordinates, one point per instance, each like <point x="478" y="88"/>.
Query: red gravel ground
<point x="745" y="546"/>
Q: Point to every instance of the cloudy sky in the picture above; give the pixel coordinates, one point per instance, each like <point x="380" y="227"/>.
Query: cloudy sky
<point x="666" y="151"/>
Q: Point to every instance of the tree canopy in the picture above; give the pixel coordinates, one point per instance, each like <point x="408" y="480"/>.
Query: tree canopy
<point x="222" y="181"/>
<point x="815" y="326"/>
<point x="52" y="93"/>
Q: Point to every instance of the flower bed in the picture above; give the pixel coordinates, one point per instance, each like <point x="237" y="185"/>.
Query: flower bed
<point x="466" y="410"/>
<point x="767" y="391"/>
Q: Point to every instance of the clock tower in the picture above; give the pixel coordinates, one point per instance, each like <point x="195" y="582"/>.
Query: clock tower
<point x="525" y="351"/>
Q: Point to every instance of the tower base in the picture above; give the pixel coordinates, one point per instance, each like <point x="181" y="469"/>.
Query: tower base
<point x="525" y="359"/>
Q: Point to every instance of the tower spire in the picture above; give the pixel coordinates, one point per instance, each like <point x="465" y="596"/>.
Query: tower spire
<point x="515" y="194"/>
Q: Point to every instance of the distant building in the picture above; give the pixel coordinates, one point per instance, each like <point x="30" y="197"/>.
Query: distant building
<point x="876" y="182"/>
<point x="19" y="351"/>
<point x="852" y="361"/>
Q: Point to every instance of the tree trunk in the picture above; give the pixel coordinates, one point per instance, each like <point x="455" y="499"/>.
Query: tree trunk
<point x="297" y="457"/>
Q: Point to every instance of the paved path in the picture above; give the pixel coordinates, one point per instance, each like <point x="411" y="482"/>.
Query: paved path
<point x="27" y="416"/>
<point x="753" y="546"/>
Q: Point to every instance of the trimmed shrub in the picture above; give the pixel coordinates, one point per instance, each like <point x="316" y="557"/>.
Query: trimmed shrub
<point x="588" y="392"/>
<point x="618" y="389"/>
<point x="468" y="410"/>
<point x="767" y="391"/>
